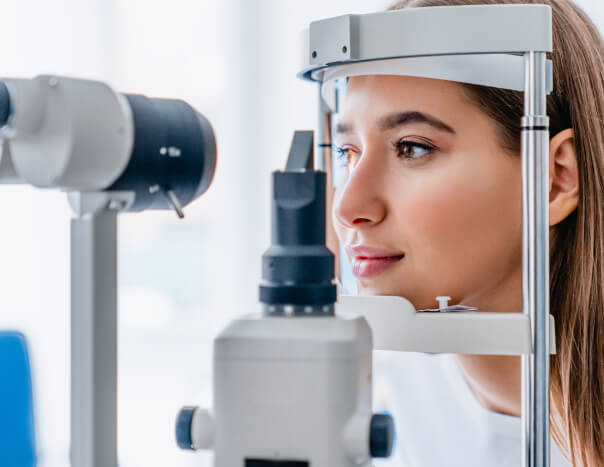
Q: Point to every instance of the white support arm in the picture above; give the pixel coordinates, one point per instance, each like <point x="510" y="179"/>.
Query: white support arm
<point x="396" y="325"/>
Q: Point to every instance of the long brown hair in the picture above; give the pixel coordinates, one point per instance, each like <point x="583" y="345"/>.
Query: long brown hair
<point x="577" y="243"/>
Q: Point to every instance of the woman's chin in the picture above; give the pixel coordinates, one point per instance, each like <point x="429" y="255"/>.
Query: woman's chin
<point x="383" y="290"/>
<point x="369" y="288"/>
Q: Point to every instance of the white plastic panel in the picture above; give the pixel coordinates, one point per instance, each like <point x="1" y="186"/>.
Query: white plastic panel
<point x="54" y="139"/>
<point x="503" y="71"/>
<point x="397" y="326"/>
<point x="431" y="31"/>
<point x="292" y="388"/>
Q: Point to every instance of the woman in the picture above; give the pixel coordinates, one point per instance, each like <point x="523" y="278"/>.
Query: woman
<point x="432" y="206"/>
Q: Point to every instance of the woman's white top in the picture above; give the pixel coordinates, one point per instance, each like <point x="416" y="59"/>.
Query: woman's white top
<point x="439" y="421"/>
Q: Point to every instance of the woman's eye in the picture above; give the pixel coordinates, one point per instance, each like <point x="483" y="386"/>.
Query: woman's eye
<point x="412" y="150"/>
<point x="347" y="157"/>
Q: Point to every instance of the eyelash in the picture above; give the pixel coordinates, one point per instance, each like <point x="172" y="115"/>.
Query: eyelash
<point x="397" y="146"/>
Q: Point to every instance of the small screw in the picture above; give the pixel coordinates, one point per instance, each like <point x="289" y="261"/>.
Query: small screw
<point x="443" y="302"/>
<point x="116" y="205"/>
<point x="314" y="54"/>
<point x="344" y="49"/>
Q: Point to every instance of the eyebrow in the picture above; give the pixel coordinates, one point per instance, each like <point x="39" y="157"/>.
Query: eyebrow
<point x="394" y="120"/>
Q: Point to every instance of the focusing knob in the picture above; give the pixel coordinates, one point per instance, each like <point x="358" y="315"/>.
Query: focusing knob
<point x="184" y="421"/>
<point x="4" y="104"/>
<point x="381" y="435"/>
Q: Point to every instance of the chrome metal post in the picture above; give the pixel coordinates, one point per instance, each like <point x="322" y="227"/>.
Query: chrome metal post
<point x="535" y="260"/>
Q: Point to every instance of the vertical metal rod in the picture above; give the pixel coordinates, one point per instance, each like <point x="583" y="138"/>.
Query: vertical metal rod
<point x="535" y="259"/>
<point x="322" y="161"/>
<point x="94" y="338"/>
<point x="323" y="150"/>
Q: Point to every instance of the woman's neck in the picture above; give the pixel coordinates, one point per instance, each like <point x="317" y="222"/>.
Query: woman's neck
<point x="494" y="379"/>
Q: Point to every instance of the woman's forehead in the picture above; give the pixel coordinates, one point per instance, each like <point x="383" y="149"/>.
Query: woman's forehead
<point x="393" y="88"/>
<point x="373" y="96"/>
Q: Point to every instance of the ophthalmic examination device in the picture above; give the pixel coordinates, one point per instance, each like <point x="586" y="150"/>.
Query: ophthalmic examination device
<point x="111" y="153"/>
<point x="292" y="383"/>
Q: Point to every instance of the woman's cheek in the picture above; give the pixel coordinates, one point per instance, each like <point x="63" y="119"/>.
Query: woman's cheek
<point x="461" y="231"/>
<point x="442" y="225"/>
<point x="432" y="210"/>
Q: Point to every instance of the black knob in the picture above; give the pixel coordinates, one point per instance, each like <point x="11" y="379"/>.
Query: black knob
<point x="4" y="104"/>
<point x="183" y="428"/>
<point x="381" y="435"/>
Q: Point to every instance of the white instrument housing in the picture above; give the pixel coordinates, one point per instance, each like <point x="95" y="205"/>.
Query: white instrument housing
<point x="56" y="141"/>
<point x="314" y="373"/>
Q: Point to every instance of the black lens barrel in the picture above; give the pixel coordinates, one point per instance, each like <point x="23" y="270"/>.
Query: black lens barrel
<point x="174" y="149"/>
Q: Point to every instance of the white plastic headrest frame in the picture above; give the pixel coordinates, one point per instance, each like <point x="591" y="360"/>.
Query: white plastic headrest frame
<point x="477" y="44"/>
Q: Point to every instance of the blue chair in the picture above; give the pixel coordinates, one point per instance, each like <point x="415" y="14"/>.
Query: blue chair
<point x="17" y="438"/>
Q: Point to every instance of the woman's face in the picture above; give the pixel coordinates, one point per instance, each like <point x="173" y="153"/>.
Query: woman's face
<point x="432" y="203"/>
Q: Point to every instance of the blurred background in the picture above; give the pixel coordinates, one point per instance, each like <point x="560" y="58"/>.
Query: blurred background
<point x="181" y="281"/>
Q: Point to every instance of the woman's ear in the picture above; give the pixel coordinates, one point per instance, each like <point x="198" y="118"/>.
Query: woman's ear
<point x="563" y="176"/>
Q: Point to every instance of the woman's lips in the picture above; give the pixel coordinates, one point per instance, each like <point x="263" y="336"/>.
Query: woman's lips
<point x="368" y="261"/>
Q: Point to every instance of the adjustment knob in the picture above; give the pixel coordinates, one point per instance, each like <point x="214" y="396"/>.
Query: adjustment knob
<point x="184" y="422"/>
<point x="381" y="435"/>
<point x="5" y="109"/>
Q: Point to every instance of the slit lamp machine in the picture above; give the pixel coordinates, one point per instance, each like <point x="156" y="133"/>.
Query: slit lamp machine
<point x="292" y="381"/>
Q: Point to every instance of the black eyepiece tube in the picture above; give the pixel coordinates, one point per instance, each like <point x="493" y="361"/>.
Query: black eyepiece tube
<point x="298" y="268"/>
<point x="4" y="104"/>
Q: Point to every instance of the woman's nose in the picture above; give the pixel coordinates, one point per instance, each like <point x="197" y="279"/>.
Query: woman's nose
<point x="359" y="202"/>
